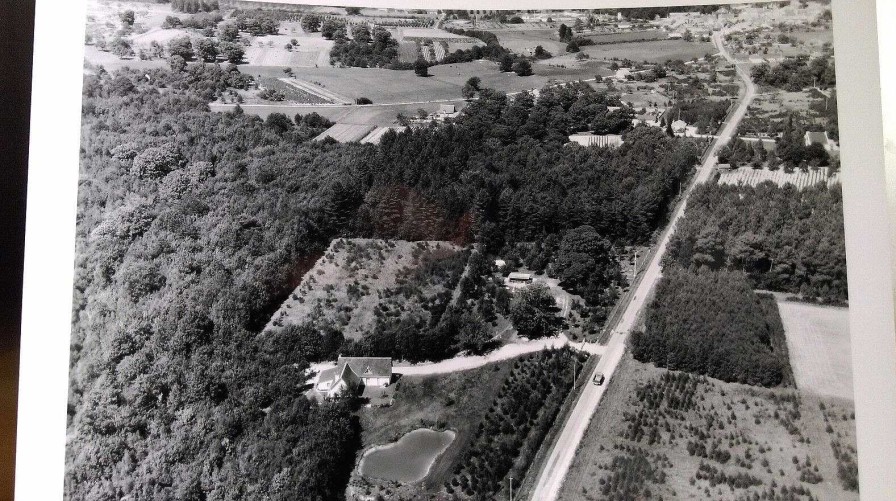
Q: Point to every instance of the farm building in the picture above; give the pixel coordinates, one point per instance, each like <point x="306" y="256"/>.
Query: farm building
<point x="589" y="139"/>
<point x="353" y="372"/>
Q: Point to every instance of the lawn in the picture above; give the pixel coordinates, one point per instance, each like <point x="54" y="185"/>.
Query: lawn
<point x="670" y="434"/>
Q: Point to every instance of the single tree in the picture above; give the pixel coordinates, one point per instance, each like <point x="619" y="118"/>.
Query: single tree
<point x="311" y="23"/>
<point x="127" y="18"/>
<point x="533" y="312"/>
<point x="421" y="68"/>
<point x="506" y="63"/>
<point x="177" y="63"/>
<point x="522" y="67"/>
<point x="181" y="46"/>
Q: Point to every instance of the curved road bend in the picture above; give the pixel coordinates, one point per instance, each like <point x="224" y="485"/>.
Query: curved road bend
<point x="553" y="473"/>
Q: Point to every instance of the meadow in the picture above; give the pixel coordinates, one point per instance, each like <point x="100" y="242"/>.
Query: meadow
<point x="658" y="51"/>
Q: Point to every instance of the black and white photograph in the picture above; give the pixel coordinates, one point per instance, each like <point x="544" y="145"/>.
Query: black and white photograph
<point x="370" y="253"/>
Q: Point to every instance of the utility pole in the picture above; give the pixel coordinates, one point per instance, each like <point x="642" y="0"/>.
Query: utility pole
<point x="511" y="488"/>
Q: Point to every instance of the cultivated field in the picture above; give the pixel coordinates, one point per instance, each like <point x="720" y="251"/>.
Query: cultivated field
<point x="749" y="176"/>
<point x="669" y="434"/>
<point x="819" y="346"/>
<point x="356" y="279"/>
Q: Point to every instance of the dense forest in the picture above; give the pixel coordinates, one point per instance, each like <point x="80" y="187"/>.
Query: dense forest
<point x="712" y="323"/>
<point x="784" y="239"/>
<point x="191" y="225"/>
<point x="194" y="226"/>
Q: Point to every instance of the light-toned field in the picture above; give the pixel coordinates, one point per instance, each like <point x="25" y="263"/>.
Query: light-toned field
<point x="651" y="51"/>
<point x="444" y="83"/>
<point x="347" y="284"/>
<point x="672" y="438"/>
<point x="819" y="346"/>
<point x="346" y="133"/>
<point x="313" y="50"/>
<point x="525" y="41"/>
<point x="749" y="176"/>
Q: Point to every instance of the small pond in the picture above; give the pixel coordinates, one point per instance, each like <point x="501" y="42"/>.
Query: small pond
<point x="407" y="460"/>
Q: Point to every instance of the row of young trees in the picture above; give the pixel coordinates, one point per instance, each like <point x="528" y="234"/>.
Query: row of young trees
<point x="516" y="424"/>
<point x="712" y="323"/>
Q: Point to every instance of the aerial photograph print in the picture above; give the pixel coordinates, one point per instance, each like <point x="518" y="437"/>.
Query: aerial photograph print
<point x="346" y="253"/>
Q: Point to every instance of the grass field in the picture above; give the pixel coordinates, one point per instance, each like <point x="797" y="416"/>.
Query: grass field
<point x="819" y="346"/>
<point x="651" y="51"/>
<point x="313" y="50"/>
<point x="353" y="280"/>
<point x="663" y="433"/>
<point x="457" y="401"/>
<point x="396" y="86"/>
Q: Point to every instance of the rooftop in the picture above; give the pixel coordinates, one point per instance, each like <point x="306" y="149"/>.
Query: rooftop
<point x="366" y="366"/>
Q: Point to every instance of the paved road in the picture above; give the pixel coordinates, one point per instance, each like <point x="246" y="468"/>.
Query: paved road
<point x="551" y="477"/>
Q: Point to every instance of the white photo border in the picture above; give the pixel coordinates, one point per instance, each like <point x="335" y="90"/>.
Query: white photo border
<point x="863" y="71"/>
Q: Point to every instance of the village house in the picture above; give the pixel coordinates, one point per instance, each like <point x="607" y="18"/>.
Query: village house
<point x="817" y="137"/>
<point x="353" y="372"/>
<point x="517" y="279"/>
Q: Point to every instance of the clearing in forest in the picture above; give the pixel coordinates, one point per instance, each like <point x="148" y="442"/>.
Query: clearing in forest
<point x="661" y="433"/>
<point x="820" y="352"/>
<point x="357" y="280"/>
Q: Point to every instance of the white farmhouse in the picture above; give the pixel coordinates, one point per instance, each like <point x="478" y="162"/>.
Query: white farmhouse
<point x="352" y="372"/>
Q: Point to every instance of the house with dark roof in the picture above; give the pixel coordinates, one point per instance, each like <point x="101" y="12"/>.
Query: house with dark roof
<point x="352" y="372"/>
